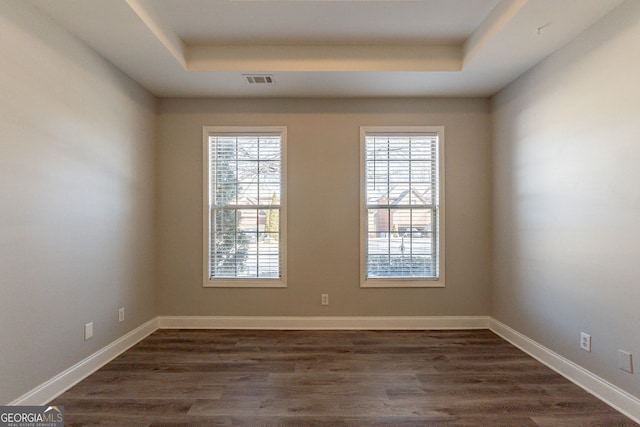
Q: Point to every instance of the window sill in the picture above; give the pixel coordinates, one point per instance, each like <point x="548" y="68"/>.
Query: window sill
<point x="243" y="283"/>
<point x="402" y="283"/>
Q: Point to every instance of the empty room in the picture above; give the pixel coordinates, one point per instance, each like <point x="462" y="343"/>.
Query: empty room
<point x="320" y="212"/>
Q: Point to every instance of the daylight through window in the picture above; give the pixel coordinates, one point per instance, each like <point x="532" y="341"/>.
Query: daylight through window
<point x="245" y="238"/>
<point x="402" y="205"/>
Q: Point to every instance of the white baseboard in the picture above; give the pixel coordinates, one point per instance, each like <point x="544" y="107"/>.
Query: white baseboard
<point x="600" y="388"/>
<point x="57" y="385"/>
<point x="336" y="323"/>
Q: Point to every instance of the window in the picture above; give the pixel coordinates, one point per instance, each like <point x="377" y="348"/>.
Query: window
<point x="401" y="207"/>
<point x="245" y="207"/>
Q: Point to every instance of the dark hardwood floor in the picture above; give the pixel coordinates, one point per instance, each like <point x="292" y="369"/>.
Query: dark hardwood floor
<point x="330" y="378"/>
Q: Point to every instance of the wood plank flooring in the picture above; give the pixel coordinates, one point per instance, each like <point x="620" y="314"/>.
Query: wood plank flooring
<point x="330" y="378"/>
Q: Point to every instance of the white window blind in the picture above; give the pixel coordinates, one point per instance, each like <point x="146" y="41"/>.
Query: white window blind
<point x="245" y="196"/>
<point x="402" y="197"/>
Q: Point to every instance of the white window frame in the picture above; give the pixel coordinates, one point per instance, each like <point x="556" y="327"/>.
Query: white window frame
<point x="404" y="282"/>
<point x="280" y="282"/>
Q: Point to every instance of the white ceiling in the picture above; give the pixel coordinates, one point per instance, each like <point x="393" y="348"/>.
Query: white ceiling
<point x="325" y="48"/>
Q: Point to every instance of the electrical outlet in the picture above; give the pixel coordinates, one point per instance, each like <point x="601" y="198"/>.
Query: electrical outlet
<point x="625" y="362"/>
<point x="325" y="299"/>
<point x="121" y="315"/>
<point x="585" y="342"/>
<point x="88" y="331"/>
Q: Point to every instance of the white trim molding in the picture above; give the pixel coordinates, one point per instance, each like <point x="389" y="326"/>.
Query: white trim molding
<point x="62" y="382"/>
<point x="600" y="388"/>
<point x="310" y="322"/>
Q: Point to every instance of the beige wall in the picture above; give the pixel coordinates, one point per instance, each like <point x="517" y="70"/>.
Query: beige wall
<point x="323" y="207"/>
<point x="567" y="198"/>
<point x="77" y="202"/>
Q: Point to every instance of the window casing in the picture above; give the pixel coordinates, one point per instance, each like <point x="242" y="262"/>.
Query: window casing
<point x="244" y="206"/>
<point x="402" y="207"/>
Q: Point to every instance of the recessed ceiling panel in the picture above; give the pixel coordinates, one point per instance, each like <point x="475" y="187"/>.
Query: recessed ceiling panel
<point x="225" y="22"/>
<point x="325" y="48"/>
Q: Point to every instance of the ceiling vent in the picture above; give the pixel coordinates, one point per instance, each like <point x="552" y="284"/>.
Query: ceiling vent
<point x="259" y="79"/>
